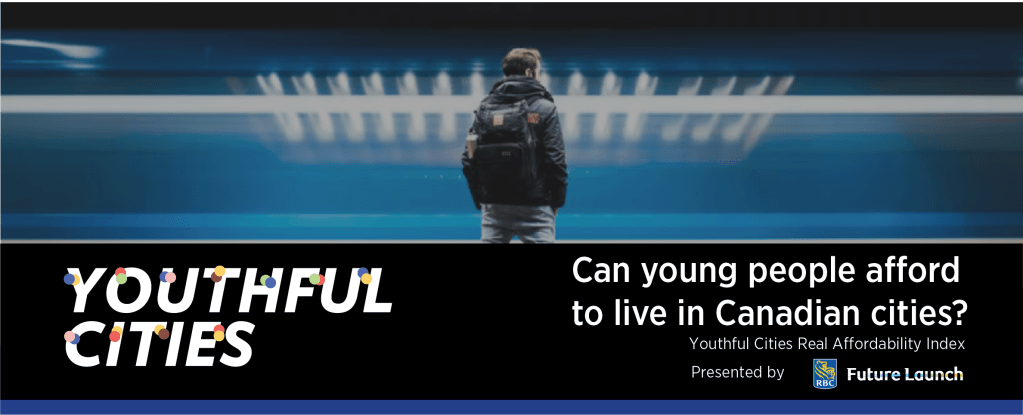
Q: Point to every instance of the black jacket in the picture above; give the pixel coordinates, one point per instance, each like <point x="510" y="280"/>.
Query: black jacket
<point x="552" y="171"/>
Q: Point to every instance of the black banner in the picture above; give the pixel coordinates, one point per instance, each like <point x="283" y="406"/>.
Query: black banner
<point x="452" y="321"/>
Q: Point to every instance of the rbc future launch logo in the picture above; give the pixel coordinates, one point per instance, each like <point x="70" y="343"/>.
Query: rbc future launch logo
<point x="825" y="373"/>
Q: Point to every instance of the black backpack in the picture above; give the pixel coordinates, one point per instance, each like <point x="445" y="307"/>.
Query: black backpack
<point x="505" y="157"/>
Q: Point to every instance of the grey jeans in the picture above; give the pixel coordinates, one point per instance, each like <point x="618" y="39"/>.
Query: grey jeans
<point x="532" y="224"/>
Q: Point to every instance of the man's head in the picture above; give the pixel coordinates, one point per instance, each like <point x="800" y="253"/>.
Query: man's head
<point x="522" y="61"/>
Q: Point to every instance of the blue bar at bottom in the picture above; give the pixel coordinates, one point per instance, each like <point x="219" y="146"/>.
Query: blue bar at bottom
<point x="511" y="406"/>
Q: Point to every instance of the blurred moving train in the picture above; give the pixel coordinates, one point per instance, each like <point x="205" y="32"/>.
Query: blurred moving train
<point x="311" y="134"/>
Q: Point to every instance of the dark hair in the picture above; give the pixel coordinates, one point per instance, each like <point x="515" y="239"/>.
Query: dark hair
<point x="519" y="59"/>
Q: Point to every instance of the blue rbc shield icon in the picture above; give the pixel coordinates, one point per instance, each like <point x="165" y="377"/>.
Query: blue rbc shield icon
<point x="825" y="373"/>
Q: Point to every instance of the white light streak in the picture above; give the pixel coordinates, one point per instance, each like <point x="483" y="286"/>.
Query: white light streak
<point x="287" y="119"/>
<point x="323" y="125"/>
<point x="71" y="51"/>
<point x="354" y="127"/>
<point x="476" y="87"/>
<point x="408" y="86"/>
<point x="442" y="87"/>
<point x="702" y="132"/>
<point x="611" y="87"/>
<point x="570" y="124"/>
<point x="545" y="79"/>
<point x="732" y="132"/>
<point x="374" y="87"/>
<point x="765" y="119"/>
<point x="673" y="131"/>
<point x="645" y="86"/>
<point x="659" y="104"/>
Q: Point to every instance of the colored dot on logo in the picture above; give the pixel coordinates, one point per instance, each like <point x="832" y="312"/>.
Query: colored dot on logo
<point x="70" y="336"/>
<point x="163" y="276"/>
<point x="262" y="280"/>
<point x="316" y="279"/>
<point x="120" y="271"/>
<point x="162" y="332"/>
<point x="218" y="333"/>
<point x="72" y="279"/>
<point x="122" y="278"/>
<point x="271" y="282"/>
<point x="219" y="270"/>
<point x="366" y="276"/>
<point x="170" y="278"/>
<point x="215" y="277"/>
<point x="115" y="336"/>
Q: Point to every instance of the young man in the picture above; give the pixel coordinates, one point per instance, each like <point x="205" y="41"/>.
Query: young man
<point x="517" y="176"/>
